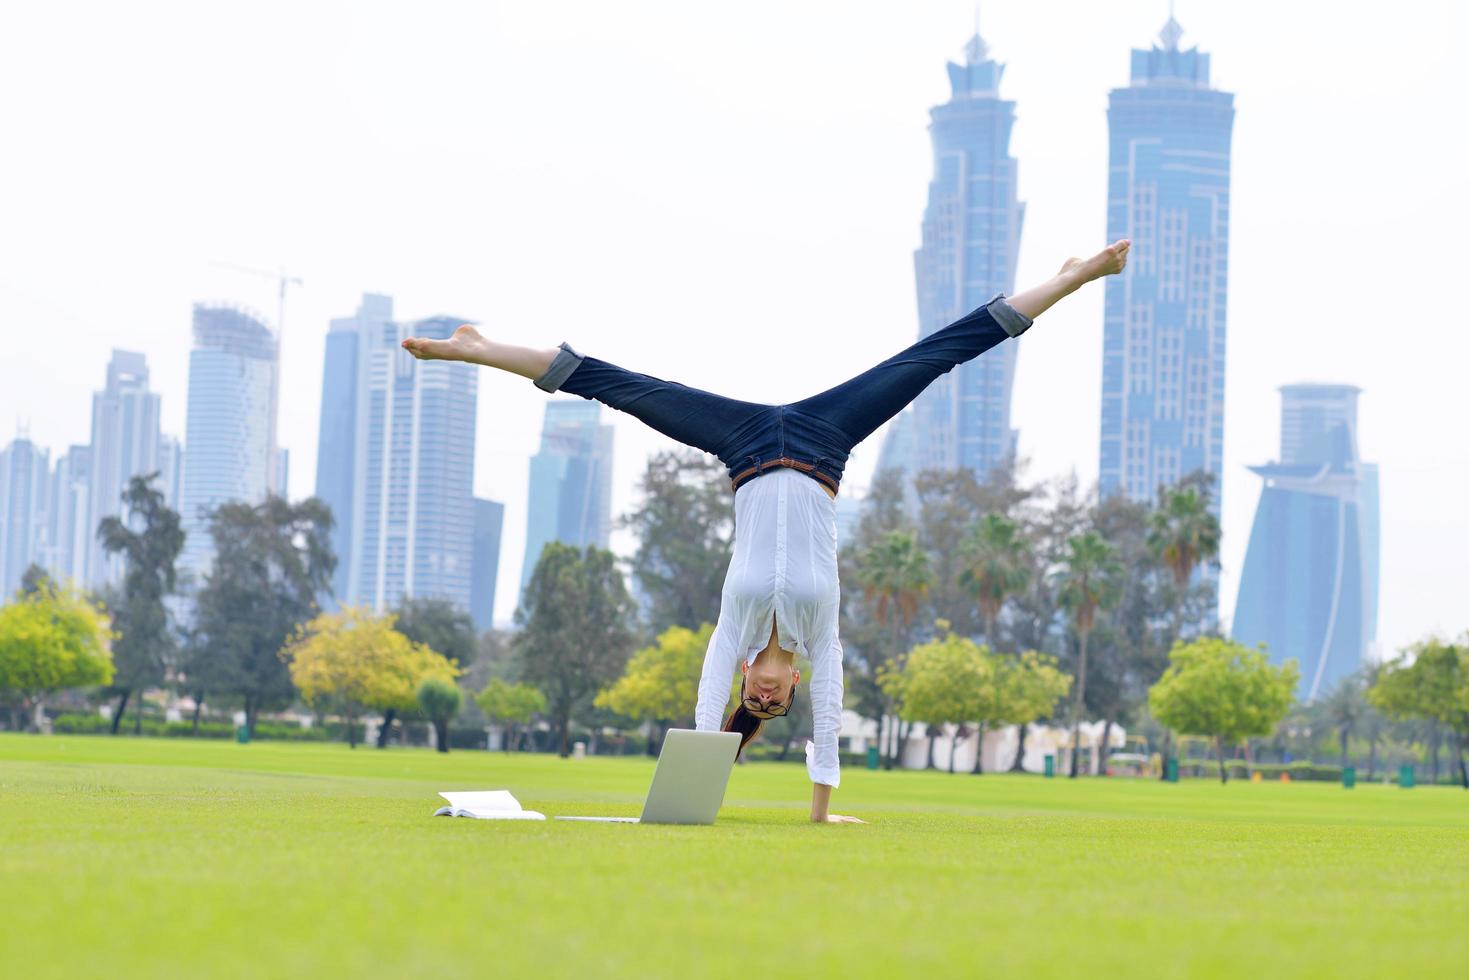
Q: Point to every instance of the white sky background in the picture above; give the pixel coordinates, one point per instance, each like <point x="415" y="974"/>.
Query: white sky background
<point x="729" y="195"/>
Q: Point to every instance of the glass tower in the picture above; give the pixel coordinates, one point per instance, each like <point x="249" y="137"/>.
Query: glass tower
<point x="1309" y="586"/>
<point x="25" y="472"/>
<point x="970" y="243"/>
<point x="570" y="482"/>
<point x="125" y="444"/>
<point x="1163" y="331"/>
<point x="489" y="519"/>
<point x="396" y="461"/>
<point x="230" y="431"/>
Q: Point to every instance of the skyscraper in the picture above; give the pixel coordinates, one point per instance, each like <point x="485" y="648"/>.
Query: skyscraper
<point x="24" y="475"/>
<point x="570" y="482"/>
<point x="489" y="519"/>
<point x="68" y="528"/>
<point x="230" y="431"/>
<point x="1309" y="586"/>
<point x="971" y="241"/>
<point x="1163" y="333"/>
<point x="396" y="461"/>
<point x="125" y="444"/>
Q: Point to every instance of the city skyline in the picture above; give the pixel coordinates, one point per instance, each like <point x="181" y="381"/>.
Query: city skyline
<point x="803" y="232"/>
<point x="570" y="482"/>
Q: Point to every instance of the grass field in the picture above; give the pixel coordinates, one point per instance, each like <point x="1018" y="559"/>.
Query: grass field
<point x="138" y="857"/>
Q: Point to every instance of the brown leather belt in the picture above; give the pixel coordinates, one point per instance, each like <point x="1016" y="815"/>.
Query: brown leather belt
<point x="794" y="464"/>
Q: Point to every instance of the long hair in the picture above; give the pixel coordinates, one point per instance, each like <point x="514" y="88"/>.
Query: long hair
<point x="747" y="724"/>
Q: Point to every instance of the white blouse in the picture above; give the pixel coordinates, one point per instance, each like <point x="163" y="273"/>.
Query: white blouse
<point x="784" y="565"/>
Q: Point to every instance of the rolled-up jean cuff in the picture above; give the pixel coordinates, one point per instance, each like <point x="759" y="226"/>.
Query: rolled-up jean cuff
<point x="1011" y="320"/>
<point x="562" y="365"/>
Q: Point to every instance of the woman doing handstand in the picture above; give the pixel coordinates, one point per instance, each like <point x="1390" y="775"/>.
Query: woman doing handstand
<point x="780" y="596"/>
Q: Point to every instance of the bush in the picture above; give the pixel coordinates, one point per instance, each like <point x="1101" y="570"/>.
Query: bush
<point x="73" y="723"/>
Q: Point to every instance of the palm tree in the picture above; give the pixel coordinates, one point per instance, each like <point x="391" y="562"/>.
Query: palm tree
<point x="1088" y="582"/>
<point x="994" y="570"/>
<point x="1345" y="710"/>
<point x="894" y="576"/>
<point x="1184" y="534"/>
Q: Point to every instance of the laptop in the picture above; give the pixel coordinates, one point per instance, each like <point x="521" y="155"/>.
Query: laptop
<point x="688" y="785"/>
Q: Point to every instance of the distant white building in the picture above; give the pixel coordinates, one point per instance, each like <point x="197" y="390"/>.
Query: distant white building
<point x="125" y="444"/>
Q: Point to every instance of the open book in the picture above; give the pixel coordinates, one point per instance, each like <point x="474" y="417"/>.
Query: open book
<point x="495" y="804"/>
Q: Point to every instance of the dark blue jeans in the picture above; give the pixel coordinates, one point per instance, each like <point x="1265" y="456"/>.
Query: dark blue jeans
<point x="814" y="436"/>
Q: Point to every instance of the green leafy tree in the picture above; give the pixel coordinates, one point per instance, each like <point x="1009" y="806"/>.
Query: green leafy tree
<point x="894" y="575"/>
<point x="1029" y="686"/>
<point x="35" y="579"/>
<point x="272" y="560"/>
<point x="685" y="532"/>
<point x="1223" y="691"/>
<point x="50" y="640"/>
<point x="353" y="662"/>
<point x="661" y="682"/>
<point x="993" y="568"/>
<point x="149" y="540"/>
<point x="576" y="634"/>
<point x="439" y="700"/>
<point x="509" y="705"/>
<point x="1346" y="710"/>
<point x="944" y="682"/>
<point x="1088" y="582"/>
<point x="1431" y="681"/>
<point x="439" y="625"/>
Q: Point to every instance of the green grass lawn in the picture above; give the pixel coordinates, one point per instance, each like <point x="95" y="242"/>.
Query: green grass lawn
<point x="139" y="857"/>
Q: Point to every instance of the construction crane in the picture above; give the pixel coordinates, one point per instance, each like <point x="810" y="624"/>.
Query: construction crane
<point x="282" y="277"/>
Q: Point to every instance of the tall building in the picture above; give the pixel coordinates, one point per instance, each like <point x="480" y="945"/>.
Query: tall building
<point x="570" y="482"/>
<point x="230" y="431"/>
<point x="24" y="475"/>
<point x="489" y="520"/>
<point x="1163" y="332"/>
<point x="68" y="528"/>
<point x="339" y="443"/>
<point x="971" y="241"/>
<point x="125" y="444"/>
<point x="171" y="469"/>
<point x="396" y="461"/>
<point x="1308" y="590"/>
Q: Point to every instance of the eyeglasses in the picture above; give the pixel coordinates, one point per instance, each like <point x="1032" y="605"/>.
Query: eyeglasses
<point x="773" y="710"/>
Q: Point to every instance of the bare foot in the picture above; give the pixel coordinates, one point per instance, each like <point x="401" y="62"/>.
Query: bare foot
<point x="1108" y="262"/>
<point x="465" y="343"/>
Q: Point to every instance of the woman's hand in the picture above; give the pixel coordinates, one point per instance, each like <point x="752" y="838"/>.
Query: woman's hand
<point x="838" y="818"/>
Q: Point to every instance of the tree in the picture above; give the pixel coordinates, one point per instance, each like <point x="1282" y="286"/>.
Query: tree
<point x="353" y="661"/>
<point x="894" y="576"/>
<point x="944" y="682"/>
<point x="145" y="643"/>
<point x="1223" y="691"/>
<point x="509" y="705"/>
<point x="685" y="532"/>
<point x="1088" y="583"/>
<point x="576" y="629"/>
<point x="994" y="568"/>
<point x="1030" y="685"/>
<point x="271" y="562"/>
<point x="439" y="625"/>
<point x="35" y="579"/>
<point x="661" y="683"/>
<point x="1430" y="680"/>
<point x="1346" y="710"/>
<point x="439" y="700"/>
<point x="1184" y="535"/>
<point x="50" y="640"/>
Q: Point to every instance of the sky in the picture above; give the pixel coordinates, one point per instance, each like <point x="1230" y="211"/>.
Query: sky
<point x="728" y="195"/>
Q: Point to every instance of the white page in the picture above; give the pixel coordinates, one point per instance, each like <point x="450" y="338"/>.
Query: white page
<point x="494" y="804"/>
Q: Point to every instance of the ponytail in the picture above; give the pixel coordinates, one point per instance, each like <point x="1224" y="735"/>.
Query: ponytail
<point x="747" y="724"/>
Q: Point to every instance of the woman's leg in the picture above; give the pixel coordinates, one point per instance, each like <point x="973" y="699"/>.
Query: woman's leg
<point x="690" y="416"/>
<point x="860" y="405"/>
